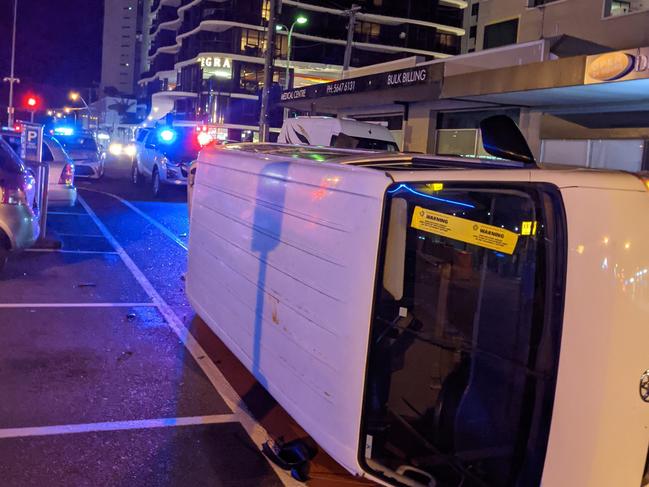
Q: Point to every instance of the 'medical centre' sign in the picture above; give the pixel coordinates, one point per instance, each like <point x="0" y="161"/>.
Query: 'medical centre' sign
<point x="392" y="79"/>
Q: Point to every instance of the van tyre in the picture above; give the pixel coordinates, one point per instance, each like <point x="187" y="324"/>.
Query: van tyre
<point x="156" y="184"/>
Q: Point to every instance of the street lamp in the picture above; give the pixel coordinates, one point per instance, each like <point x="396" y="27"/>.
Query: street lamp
<point x="300" y="20"/>
<point x="74" y="96"/>
<point x="11" y="79"/>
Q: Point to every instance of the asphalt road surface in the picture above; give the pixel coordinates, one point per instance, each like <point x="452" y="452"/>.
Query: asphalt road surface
<point x="107" y="377"/>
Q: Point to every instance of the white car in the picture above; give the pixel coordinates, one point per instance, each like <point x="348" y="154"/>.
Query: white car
<point x="435" y="321"/>
<point x="164" y="156"/>
<point x="61" y="190"/>
<point x="336" y="132"/>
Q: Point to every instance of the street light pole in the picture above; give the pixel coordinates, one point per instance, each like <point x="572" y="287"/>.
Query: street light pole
<point x="351" y="25"/>
<point x="74" y="96"/>
<point x="12" y="79"/>
<point x="268" y="72"/>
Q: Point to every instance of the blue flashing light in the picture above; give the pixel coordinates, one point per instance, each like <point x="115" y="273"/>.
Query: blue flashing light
<point x="424" y="195"/>
<point x="167" y="135"/>
<point x="64" y="131"/>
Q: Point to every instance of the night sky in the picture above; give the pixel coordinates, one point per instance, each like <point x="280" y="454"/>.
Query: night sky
<point x="58" y="47"/>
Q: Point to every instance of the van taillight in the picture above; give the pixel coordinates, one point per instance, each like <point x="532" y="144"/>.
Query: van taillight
<point x="67" y="176"/>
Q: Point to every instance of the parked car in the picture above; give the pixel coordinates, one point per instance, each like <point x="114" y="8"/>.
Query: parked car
<point x="19" y="224"/>
<point x="83" y="150"/>
<point x="435" y="320"/>
<point x="336" y="132"/>
<point x="61" y="190"/>
<point x="164" y="157"/>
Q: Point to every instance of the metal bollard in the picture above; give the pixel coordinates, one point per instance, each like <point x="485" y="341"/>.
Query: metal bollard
<point x="43" y="176"/>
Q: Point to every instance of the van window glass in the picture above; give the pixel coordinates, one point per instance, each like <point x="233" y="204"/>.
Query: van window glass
<point x="463" y="358"/>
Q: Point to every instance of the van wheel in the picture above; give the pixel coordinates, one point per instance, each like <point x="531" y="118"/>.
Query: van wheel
<point x="136" y="175"/>
<point x="156" y="184"/>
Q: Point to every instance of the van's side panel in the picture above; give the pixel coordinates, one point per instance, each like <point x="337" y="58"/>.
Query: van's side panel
<point x="282" y="264"/>
<point x="600" y="425"/>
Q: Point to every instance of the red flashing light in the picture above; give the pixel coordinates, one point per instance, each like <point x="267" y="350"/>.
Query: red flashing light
<point x="18" y="127"/>
<point x="31" y="101"/>
<point x="203" y="138"/>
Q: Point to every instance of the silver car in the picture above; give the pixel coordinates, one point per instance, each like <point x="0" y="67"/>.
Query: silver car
<point x="61" y="190"/>
<point x="83" y="150"/>
<point x="19" y="224"/>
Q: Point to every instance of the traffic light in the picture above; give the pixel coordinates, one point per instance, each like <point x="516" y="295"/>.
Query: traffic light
<point x="32" y="102"/>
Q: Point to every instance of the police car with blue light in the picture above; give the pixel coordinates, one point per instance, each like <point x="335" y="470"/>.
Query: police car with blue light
<point x="164" y="154"/>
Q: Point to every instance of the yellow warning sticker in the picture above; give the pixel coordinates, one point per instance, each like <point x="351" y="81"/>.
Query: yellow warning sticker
<point x="528" y="228"/>
<point x="469" y="231"/>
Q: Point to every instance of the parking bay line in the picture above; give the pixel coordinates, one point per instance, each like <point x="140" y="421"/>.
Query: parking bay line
<point x="71" y="213"/>
<point x="64" y="429"/>
<point x="66" y="251"/>
<point x="151" y="220"/>
<point x="255" y="431"/>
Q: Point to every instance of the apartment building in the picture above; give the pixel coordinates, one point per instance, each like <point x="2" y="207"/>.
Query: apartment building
<point x="122" y="38"/>
<point x="615" y="24"/>
<point x="205" y="58"/>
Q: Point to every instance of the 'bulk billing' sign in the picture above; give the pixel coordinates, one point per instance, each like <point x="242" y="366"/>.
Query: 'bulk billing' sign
<point x="469" y="231"/>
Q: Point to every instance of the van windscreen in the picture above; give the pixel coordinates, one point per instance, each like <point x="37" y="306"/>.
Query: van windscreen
<point x="465" y="336"/>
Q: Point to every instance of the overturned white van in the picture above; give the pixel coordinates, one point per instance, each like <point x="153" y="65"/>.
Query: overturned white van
<point x="336" y="132"/>
<point x="434" y="321"/>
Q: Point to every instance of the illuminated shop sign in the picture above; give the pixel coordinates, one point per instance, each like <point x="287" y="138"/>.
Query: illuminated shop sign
<point x="617" y="66"/>
<point x="216" y="66"/>
<point x="392" y="79"/>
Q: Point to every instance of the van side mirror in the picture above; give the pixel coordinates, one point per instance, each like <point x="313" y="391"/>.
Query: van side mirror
<point x="502" y="138"/>
<point x="395" y="249"/>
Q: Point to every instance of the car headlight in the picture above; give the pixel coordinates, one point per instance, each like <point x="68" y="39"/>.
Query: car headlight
<point x="129" y="150"/>
<point x="115" y="148"/>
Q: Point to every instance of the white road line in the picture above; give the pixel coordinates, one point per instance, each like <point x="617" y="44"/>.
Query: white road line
<point x="76" y="305"/>
<point x="257" y="432"/>
<point x="65" y="429"/>
<point x="152" y="221"/>
<point x="66" y="251"/>
<point x="65" y="213"/>
<point x="78" y="235"/>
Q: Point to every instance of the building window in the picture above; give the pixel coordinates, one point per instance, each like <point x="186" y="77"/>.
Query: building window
<point x="367" y="30"/>
<point x="475" y="9"/>
<point x="265" y="10"/>
<point x="500" y="34"/>
<point x="473" y="31"/>
<point x="253" y="42"/>
<point x="615" y="8"/>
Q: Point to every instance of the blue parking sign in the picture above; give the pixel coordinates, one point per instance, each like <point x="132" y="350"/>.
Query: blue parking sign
<point x="31" y="146"/>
